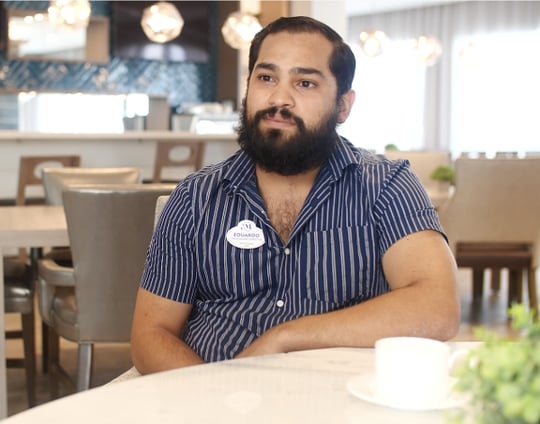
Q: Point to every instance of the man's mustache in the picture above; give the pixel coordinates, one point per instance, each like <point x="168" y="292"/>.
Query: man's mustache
<point x="283" y="111"/>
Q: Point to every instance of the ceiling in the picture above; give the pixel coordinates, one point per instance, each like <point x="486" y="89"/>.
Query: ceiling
<point x="366" y="7"/>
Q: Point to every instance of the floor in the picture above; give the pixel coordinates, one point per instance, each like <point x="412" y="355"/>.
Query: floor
<point x="113" y="359"/>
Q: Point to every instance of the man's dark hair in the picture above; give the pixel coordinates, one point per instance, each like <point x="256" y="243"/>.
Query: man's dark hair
<point x="342" y="61"/>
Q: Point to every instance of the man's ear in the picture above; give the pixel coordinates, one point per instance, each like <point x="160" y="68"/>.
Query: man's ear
<point x="345" y="105"/>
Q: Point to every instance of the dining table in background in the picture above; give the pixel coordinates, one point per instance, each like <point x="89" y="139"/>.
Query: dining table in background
<point x="31" y="227"/>
<point x="299" y="387"/>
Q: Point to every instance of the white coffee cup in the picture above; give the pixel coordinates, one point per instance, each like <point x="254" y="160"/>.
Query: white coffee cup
<point x="412" y="372"/>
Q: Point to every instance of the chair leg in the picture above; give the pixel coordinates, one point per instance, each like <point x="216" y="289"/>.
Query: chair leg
<point x="495" y="280"/>
<point x="28" y="332"/>
<point x="533" y="294"/>
<point x="53" y="361"/>
<point x="520" y="277"/>
<point x="84" y="366"/>
<point x="515" y="286"/>
<point x="45" y="347"/>
<point x="478" y="284"/>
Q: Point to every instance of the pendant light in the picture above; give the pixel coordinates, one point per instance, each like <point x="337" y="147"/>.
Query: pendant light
<point x="428" y="49"/>
<point x="162" y="22"/>
<point x="373" y="42"/>
<point x="69" y="14"/>
<point x="239" y="29"/>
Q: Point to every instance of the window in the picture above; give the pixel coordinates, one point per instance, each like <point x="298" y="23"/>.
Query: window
<point x="496" y="93"/>
<point x="78" y="112"/>
<point x="389" y="106"/>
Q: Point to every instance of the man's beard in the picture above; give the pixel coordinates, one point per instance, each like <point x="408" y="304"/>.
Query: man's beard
<point x="273" y="151"/>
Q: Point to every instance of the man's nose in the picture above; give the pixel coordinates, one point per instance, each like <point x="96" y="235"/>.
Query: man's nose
<point x="281" y="97"/>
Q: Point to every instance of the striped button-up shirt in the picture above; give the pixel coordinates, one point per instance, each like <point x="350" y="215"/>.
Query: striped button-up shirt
<point x="243" y="279"/>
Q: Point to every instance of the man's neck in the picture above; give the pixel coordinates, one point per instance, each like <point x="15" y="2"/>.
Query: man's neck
<point x="267" y="180"/>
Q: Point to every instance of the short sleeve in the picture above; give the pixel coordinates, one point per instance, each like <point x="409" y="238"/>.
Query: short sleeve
<point x="403" y="206"/>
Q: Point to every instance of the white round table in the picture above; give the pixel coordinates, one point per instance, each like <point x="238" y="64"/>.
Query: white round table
<point x="300" y="387"/>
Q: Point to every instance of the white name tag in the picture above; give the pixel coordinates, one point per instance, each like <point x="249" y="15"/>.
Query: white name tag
<point x="246" y="235"/>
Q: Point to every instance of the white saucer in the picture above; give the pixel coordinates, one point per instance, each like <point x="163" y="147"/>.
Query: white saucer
<point x="362" y="387"/>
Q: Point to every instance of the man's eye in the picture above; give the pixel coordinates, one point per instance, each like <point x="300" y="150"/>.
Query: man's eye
<point x="266" y="78"/>
<point x="306" y="84"/>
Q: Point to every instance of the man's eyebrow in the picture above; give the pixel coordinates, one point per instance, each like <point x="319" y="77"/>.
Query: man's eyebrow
<point x="299" y="70"/>
<point x="306" y="71"/>
<point x="267" y="66"/>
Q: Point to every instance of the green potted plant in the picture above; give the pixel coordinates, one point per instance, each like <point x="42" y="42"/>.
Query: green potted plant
<point x="391" y="146"/>
<point x="443" y="173"/>
<point x="502" y="375"/>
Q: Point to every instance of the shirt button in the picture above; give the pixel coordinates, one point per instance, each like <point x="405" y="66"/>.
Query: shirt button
<point x="287" y="251"/>
<point x="280" y="303"/>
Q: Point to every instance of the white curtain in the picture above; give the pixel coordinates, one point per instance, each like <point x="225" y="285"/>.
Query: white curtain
<point x="449" y="23"/>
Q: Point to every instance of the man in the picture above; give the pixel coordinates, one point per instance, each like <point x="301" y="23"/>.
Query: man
<point x="299" y="240"/>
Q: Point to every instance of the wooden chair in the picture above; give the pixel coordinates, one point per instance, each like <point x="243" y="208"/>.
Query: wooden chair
<point x="20" y="272"/>
<point x="506" y="154"/>
<point x="190" y="157"/>
<point x="30" y="175"/>
<point x="516" y="257"/>
<point x="492" y="221"/>
<point x="30" y="171"/>
<point x="18" y="288"/>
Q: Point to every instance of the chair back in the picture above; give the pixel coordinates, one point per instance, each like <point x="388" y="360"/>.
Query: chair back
<point x="495" y="200"/>
<point x="56" y="180"/>
<point x="109" y="228"/>
<point x="160" y="203"/>
<point x="30" y="171"/>
<point x="423" y="163"/>
<point x="185" y="154"/>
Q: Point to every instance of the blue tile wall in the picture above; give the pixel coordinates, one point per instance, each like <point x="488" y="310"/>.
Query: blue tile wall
<point x="183" y="82"/>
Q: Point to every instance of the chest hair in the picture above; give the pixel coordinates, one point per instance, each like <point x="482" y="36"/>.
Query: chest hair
<point x="283" y="213"/>
<point x="284" y="197"/>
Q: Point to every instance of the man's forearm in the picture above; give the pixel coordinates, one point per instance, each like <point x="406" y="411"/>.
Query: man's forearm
<point x="159" y="350"/>
<point x="391" y="314"/>
<point x="406" y="312"/>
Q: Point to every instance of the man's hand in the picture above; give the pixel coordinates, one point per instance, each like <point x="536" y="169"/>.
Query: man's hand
<point x="267" y="344"/>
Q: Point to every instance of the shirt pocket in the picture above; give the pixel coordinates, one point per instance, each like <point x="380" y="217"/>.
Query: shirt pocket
<point x="338" y="266"/>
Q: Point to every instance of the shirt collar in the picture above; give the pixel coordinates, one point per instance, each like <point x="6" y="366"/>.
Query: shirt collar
<point x="344" y="156"/>
<point x="239" y="169"/>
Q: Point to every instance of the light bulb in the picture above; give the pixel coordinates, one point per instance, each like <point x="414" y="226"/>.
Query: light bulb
<point x="162" y="22"/>
<point x="373" y="42"/>
<point x="239" y="29"/>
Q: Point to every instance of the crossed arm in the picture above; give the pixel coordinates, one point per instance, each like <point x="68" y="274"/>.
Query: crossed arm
<point x="423" y="302"/>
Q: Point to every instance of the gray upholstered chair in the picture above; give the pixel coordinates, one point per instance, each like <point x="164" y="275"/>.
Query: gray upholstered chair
<point x="56" y="180"/>
<point x="133" y="372"/>
<point x="160" y="204"/>
<point x="109" y="227"/>
<point x="493" y="221"/>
